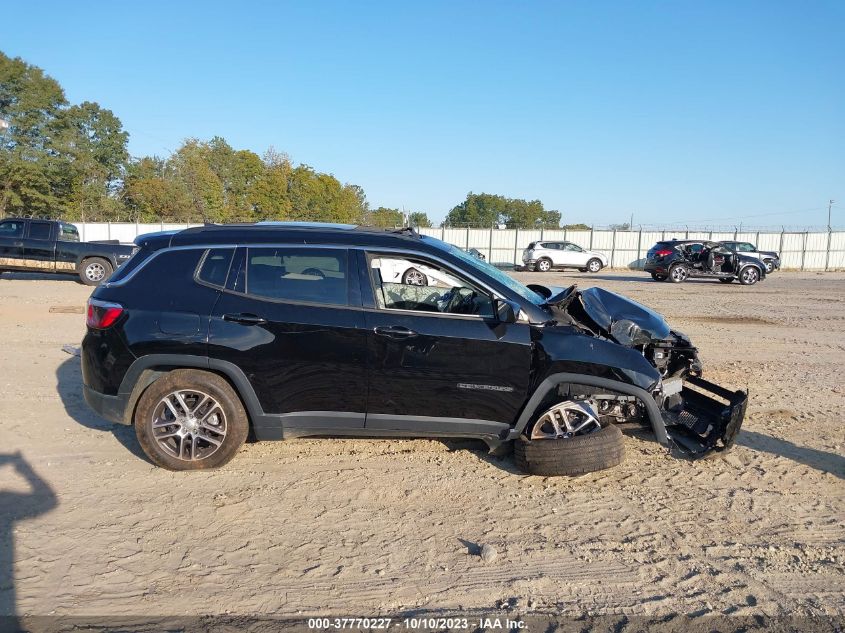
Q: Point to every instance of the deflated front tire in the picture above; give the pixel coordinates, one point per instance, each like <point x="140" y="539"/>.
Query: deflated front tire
<point x="571" y="456"/>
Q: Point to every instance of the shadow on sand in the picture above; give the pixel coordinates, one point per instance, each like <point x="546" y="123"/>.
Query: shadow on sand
<point x="814" y="458"/>
<point x="17" y="506"/>
<point x="69" y="386"/>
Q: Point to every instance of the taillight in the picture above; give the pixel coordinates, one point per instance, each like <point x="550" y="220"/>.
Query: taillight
<point x="663" y="253"/>
<point x="102" y="314"/>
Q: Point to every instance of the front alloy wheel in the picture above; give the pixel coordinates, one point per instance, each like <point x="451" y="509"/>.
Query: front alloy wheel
<point x="543" y="266"/>
<point x="769" y="265"/>
<point x="594" y="265"/>
<point x="413" y="277"/>
<point x="749" y="276"/>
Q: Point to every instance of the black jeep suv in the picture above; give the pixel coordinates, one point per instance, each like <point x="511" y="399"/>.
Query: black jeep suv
<point x="678" y="260"/>
<point x="291" y="330"/>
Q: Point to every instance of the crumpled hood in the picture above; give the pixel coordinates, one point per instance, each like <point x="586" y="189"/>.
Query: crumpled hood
<point x="625" y="321"/>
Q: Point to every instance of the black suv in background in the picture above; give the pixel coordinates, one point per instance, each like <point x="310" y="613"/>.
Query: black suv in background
<point x="292" y="330"/>
<point x="678" y="260"/>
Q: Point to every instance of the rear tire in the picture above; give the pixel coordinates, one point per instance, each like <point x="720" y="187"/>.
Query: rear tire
<point x="232" y="426"/>
<point x="543" y="265"/>
<point x="572" y="456"/>
<point x="678" y="274"/>
<point x="657" y="277"/>
<point x="94" y="271"/>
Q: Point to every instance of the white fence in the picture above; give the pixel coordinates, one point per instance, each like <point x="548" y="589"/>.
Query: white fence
<point x="626" y="249"/>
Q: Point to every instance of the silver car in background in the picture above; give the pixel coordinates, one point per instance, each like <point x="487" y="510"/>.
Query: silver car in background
<point x="545" y="255"/>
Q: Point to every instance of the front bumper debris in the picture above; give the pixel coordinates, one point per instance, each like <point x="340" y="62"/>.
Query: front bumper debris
<point x="702" y="424"/>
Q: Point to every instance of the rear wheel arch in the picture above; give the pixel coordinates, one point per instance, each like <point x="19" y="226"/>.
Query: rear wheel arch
<point x="146" y="370"/>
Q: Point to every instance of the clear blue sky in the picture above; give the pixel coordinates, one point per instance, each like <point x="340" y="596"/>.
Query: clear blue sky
<point x="674" y="111"/>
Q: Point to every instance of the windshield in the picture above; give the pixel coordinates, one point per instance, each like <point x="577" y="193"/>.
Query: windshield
<point x="491" y="271"/>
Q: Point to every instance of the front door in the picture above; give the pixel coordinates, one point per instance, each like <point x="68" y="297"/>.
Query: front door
<point x="573" y="255"/>
<point x="286" y="320"/>
<point x="439" y="362"/>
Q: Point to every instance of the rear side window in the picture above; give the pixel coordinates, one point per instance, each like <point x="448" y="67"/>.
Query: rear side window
<point x="39" y="230"/>
<point x="138" y="258"/>
<point x="313" y="275"/>
<point x="214" y="267"/>
<point x="11" y="228"/>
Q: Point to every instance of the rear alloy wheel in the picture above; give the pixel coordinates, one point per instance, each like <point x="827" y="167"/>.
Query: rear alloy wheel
<point x="569" y="440"/>
<point x="190" y="420"/>
<point x="749" y="276"/>
<point x="94" y="271"/>
<point x="413" y="277"/>
<point x="594" y="265"/>
<point x="678" y="274"/>
<point x="657" y="277"/>
<point x="543" y="265"/>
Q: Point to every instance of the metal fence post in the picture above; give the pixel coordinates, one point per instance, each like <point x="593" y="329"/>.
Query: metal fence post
<point x="612" y="247"/>
<point x="827" y="252"/>
<point x="780" y="251"/>
<point x="640" y="248"/>
<point x="515" y="245"/>
<point x="592" y="228"/>
<point x="466" y="239"/>
<point x="804" y="251"/>
<point x="490" y="246"/>
<point x="442" y="232"/>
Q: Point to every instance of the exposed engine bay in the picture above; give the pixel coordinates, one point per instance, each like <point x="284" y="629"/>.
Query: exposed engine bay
<point x="698" y="416"/>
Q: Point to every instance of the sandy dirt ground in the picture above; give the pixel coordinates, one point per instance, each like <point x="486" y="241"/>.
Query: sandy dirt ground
<point x="374" y="526"/>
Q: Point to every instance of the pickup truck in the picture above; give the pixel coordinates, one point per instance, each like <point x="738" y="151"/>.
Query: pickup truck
<point x="53" y="246"/>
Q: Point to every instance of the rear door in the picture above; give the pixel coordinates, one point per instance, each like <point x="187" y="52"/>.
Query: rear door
<point x="439" y="362"/>
<point x="39" y="246"/>
<point x="290" y="318"/>
<point x="11" y="244"/>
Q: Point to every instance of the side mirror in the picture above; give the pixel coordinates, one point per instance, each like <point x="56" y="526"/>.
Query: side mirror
<point x="505" y="312"/>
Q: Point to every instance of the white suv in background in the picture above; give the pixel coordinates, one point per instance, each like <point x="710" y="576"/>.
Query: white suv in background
<point x="543" y="256"/>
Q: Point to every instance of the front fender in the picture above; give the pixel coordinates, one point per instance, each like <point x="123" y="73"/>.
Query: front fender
<point x="562" y="349"/>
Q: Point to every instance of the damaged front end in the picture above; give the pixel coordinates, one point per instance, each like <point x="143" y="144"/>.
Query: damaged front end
<point x="687" y="412"/>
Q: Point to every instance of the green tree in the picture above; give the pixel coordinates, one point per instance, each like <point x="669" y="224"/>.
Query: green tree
<point x="384" y="217"/>
<point x="484" y="209"/>
<point x="29" y="162"/>
<point x="419" y="219"/>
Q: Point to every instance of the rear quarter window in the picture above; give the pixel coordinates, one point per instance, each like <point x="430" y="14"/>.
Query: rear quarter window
<point x="214" y="267"/>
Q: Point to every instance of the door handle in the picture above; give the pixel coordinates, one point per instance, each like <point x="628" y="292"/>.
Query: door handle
<point x="17" y="243"/>
<point x="245" y="319"/>
<point x="394" y="331"/>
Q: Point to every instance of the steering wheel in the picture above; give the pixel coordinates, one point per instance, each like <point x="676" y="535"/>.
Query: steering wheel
<point x="314" y="272"/>
<point x="459" y="297"/>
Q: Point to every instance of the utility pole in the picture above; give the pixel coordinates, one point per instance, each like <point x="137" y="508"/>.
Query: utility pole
<point x="829" y="205"/>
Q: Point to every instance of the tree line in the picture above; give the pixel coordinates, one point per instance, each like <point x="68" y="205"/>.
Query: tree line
<point x="72" y="162"/>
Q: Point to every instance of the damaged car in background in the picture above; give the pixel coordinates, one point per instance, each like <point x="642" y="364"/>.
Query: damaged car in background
<point x="212" y="333"/>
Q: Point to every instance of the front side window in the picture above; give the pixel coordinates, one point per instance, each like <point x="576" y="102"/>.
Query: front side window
<point x="747" y="248"/>
<point x="68" y="233"/>
<point x="421" y="286"/>
<point x="11" y="228"/>
<point x="39" y="230"/>
<point x="313" y="275"/>
<point x="573" y="247"/>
